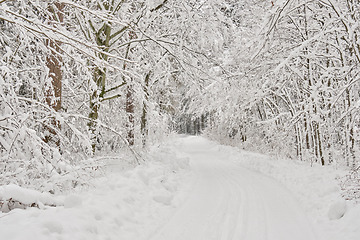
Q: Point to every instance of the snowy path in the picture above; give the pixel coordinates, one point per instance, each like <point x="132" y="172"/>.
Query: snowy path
<point x="229" y="202"/>
<point x="222" y="200"/>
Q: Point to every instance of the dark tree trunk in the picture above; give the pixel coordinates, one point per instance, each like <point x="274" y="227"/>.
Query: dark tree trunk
<point x="144" y="128"/>
<point x="130" y="110"/>
<point x="129" y="105"/>
<point x="54" y="89"/>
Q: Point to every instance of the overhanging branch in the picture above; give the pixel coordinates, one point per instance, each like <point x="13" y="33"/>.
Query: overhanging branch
<point x="159" y="6"/>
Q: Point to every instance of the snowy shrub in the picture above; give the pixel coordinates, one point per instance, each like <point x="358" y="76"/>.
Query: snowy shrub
<point x="26" y="158"/>
<point x="350" y="185"/>
<point x="40" y="147"/>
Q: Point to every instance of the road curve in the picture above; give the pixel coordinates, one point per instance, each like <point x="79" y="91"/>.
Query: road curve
<point x="230" y="202"/>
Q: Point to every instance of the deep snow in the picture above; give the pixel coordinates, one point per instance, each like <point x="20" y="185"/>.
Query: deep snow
<point x="226" y="193"/>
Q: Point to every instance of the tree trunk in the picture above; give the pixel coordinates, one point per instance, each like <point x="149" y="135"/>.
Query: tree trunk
<point x="144" y="128"/>
<point x="129" y="104"/>
<point x="350" y="142"/>
<point x="99" y="78"/>
<point x="298" y="142"/>
<point x="320" y="153"/>
<point x="130" y="110"/>
<point x="53" y="91"/>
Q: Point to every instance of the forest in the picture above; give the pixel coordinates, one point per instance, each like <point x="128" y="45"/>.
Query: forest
<point x="83" y="81"/>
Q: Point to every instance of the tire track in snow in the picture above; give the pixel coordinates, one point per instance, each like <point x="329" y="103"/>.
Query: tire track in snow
<point x="229" y="202"/>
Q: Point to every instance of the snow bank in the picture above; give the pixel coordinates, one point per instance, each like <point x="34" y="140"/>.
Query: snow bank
<point x="127" y="204"/>
<point x="11" y="194"/>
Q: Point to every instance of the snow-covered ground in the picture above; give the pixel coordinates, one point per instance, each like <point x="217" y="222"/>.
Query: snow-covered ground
<point x="316" y="188"/>
<point x="228" y="201"/>
<point x="193" y="188"/>
<point x="124" y="204"/>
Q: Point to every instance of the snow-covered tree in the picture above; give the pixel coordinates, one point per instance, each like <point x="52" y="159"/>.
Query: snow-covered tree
<point x="79" y="77"/>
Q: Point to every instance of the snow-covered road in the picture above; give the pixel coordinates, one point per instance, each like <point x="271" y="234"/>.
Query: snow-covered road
<point x="217" y="198"/>
<point x="229" y="202"/>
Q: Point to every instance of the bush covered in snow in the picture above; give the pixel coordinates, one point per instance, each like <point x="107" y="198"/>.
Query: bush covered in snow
<point x="350" y="184"/>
